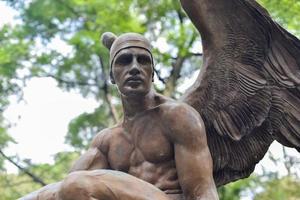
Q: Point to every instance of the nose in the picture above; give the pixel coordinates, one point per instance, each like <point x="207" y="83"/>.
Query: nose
<point x="134" y="70"/>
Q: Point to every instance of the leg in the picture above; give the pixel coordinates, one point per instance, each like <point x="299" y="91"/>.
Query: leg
<point x="107" y="185"/>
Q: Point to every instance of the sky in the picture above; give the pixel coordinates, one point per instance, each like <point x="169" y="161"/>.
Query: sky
<point x="7" y="14"/>
<point x="41" y="120"/>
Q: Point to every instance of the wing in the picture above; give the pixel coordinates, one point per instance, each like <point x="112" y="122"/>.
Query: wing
<point x="248" y="89"/>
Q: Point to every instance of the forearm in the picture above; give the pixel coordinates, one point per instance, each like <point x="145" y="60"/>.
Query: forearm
<point x="195" y="175"/>
<point x="211" y="194"/>
<point x="91" y="160"/>
<point x="201" y="193"/>
<point x="198" y="187"/>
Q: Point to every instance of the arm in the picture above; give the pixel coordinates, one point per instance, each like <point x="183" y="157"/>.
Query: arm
<point x="95" y="157"/>
<point x="192" y="156"/>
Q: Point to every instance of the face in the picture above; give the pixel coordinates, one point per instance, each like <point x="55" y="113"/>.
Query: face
<point x="132" y="71"/>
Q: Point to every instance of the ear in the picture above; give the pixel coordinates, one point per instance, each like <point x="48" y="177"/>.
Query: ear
<point x="108" y="39"/>
<point x="153" y="70"/>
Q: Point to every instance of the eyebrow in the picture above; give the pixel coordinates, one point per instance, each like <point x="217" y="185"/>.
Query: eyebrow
<point x="129" y="54"/>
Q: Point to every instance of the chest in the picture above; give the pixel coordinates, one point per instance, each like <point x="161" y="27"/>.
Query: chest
<point x="144" y="141"/>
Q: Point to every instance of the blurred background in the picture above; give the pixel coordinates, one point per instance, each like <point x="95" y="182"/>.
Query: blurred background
<point x="55" y="93"/>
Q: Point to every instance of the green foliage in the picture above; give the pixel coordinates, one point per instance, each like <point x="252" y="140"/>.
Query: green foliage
<point x="78" y="26"/>
<point x="262" y="188"/>
<point x="87" y="125"/>
<point x="285" y="12"/>
<point x="13" y="51"/>
<point x="50" y="173"/>
<point x="5" y="139"/>
<point x="14" y="186"/>
<point x="235" y="190"/>
<point x="286" y="188"/>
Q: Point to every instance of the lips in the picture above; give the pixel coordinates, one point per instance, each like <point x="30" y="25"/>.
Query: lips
<point x="134" y="79"/>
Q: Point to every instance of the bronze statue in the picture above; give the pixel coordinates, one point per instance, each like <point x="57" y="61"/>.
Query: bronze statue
<point x="160" y="141"/>
<point x="247" y="95"/>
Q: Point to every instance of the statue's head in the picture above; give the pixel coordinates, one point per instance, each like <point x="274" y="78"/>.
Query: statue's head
<point x="131" y="62"/>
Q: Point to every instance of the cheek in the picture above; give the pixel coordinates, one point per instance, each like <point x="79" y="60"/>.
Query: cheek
<point x="117" y="74"/>
<point x="148" y="70"/>
<point x="151" y="73"/>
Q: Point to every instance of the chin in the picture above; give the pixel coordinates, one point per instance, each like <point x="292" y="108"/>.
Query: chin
<point x="135" y="92"/>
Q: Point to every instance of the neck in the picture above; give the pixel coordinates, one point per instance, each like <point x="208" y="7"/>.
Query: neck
<point x="136" y="104"/>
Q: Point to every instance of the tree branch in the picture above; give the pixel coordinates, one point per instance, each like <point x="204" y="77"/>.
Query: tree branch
<point x="180" y="16"/>
<point x="68" y="82"/>
<point x="32" y="176"/>
<point x="158" y="76"/>
<point x="175" y="73"/>
<point x="108" y="99"/>
<point x="195" y="54"/>
<point x="107" y="96"/>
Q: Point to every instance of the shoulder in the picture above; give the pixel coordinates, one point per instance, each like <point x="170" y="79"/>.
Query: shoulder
<point x="168" y="105"/>
<point x="103" y="138"/>
<point x="178" y="111"/>
<point x="182" y="121"/>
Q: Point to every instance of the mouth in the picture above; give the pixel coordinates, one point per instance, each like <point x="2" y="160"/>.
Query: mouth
<point x="134" y="79"/>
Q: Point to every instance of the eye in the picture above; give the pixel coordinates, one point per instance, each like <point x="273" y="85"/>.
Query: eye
<point x="144" y="60"/>
<point x="124" y="59"/>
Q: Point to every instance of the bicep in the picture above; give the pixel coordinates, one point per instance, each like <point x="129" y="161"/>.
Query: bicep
<point x="192" y="155"/>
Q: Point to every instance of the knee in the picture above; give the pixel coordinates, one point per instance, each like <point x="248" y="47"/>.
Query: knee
<point x="74" y="187"/>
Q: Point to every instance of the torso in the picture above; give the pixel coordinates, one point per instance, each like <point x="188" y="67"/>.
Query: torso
<point x="141" y="147"/>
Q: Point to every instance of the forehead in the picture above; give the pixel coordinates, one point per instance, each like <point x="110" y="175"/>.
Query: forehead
<point x="134" y="51"/>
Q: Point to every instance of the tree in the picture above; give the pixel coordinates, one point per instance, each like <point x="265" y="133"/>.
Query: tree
<point x="4" y="140"/>
<point x="14" y="186"/>
<point x="27" y="51"/>
<point x="12" y="51"/>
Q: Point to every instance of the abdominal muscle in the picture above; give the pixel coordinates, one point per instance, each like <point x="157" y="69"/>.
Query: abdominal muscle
<point x="162" y="176"/>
